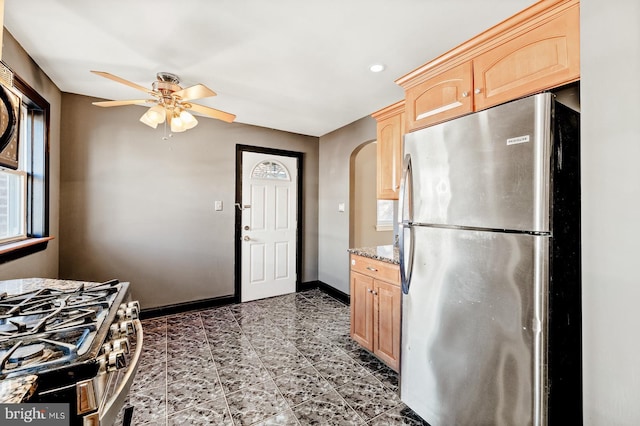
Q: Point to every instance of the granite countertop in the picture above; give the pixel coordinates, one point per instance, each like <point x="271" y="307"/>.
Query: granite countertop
<point x="387" y="253"/>
<point x="17" y="389"/>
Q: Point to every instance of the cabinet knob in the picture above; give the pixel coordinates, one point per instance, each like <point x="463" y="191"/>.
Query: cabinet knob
<point x="371" y="268"/>
<point x="465" y="94"/>
<point x="477" y="91"/>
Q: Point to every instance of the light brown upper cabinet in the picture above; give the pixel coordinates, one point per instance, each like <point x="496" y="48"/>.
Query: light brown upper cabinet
<point x="544" y="57"/>
<point x="535" y="50"/>
<point x="390" y="130"/>
<point x="447" y="95"/>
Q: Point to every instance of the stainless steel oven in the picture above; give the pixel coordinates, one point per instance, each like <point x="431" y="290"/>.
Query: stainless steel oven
<point x="83" y="341"/>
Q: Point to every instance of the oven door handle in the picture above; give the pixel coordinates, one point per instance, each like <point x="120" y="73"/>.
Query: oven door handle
<point x="115" y="403"/>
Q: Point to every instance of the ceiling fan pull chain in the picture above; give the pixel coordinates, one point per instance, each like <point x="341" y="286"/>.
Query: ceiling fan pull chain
<point x="165" y="137"/>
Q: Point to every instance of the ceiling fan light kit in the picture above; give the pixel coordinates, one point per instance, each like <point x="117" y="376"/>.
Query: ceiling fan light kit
<point x="188" y="120"/>
<point x="171" y="102"/>
<point x="154" y="116"/>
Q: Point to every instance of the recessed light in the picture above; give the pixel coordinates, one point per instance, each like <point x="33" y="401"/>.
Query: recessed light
<point x="376" y="68"/>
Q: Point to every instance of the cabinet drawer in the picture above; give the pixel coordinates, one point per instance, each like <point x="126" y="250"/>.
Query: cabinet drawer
<point x="376" y="268"/>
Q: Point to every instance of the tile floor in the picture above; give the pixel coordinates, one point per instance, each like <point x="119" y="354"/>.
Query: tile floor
<point x="286" y="360"/>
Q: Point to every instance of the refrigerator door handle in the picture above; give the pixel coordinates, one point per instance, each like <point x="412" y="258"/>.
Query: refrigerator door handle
<point x="405" y="201"/>
<point x="406" y="259"/>
<point x="405" y="196"/>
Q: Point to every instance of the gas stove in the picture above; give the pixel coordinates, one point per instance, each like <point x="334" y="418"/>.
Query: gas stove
<point x="81" y="340"/>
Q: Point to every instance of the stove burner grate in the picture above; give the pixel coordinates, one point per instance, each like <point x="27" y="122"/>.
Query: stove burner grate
<point x="45" y="328"/>
<point x="48" y="310"/>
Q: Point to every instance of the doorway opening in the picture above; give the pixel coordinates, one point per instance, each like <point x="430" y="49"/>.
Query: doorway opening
<point x="369" y="226"/>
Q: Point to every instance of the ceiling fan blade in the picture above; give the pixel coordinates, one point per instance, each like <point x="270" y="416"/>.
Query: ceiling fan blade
<point x="194" y="92"/>
<point x="214" y="113"/>
<point x="122" y="80"/>
<point x="120" y="103"/>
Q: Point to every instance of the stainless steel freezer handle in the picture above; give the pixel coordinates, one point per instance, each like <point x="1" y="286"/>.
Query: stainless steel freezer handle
<point x="405" y="196"/>
<point x="405" y="200"/>
<point x="406" y="258"/>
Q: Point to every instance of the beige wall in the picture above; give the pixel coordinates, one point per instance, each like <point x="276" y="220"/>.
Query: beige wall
<point x="333" y="226"/>
<point x="610" y="102"/>
<point x="141" y="209"/>
<point x="43" y="263"/>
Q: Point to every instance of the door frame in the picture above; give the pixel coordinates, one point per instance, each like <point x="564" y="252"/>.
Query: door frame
<point x="238" y="214"/>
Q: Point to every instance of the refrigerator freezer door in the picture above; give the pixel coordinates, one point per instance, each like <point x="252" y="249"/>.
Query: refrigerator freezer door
<point x="473" y="328"/>
<point x="486" y="170"/>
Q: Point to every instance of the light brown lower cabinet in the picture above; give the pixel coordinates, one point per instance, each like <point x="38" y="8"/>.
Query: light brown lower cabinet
<point x="375" y="308"/>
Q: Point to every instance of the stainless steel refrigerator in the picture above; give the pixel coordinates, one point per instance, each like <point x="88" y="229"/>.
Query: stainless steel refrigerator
<point x="490" y="267"/>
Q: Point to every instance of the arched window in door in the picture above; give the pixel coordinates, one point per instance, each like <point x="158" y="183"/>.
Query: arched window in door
<point x="270" y="169"/>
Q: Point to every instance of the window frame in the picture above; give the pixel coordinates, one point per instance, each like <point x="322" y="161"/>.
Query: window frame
<point x="37" y="220"/>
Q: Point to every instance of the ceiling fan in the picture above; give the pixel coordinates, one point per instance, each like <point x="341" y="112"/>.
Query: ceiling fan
<point x="172" y="102"/>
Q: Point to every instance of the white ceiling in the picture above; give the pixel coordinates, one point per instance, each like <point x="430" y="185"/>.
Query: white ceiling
<point x="296" y="65"/>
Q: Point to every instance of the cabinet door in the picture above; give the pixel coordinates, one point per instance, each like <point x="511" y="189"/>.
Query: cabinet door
<point x="389" y="156"/>
<point x="546" y="56"/>
<point x="440" y="98"/>
<point x="362" y="309"/>
<point x="386" y="344"/>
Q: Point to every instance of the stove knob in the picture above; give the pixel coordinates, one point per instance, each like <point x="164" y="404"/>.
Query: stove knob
<point x="133" y="310"/>
<point x="126" y="328"/>
<point x="106" y="348"/>
<point x="116" y="361"/>
<point x="102" y="363"/>
<point x="129" y="311"/>
<point x="114" y="331"/>
<point x="121" y="313"/>
<point x="121" y="345"/>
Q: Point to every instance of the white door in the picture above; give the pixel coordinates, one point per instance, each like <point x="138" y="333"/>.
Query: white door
<point x="269" y="223"/>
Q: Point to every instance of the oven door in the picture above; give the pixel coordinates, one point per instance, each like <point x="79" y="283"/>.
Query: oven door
<point x="99" y="399"/>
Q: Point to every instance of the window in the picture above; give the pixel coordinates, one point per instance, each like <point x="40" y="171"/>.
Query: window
<point x="385" y="215"/>
<point x="270" y="170"/>
<point x="24" y="192"/>
<point x="13" y="204"/>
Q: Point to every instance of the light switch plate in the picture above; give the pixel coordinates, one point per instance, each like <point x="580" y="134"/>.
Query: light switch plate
<point x="341" y="207"/>
<point x="218" y="206"/>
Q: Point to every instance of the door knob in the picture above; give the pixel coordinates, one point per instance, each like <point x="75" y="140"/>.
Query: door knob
<point x="246" y="227"/>
<point x="246" y="238"/>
